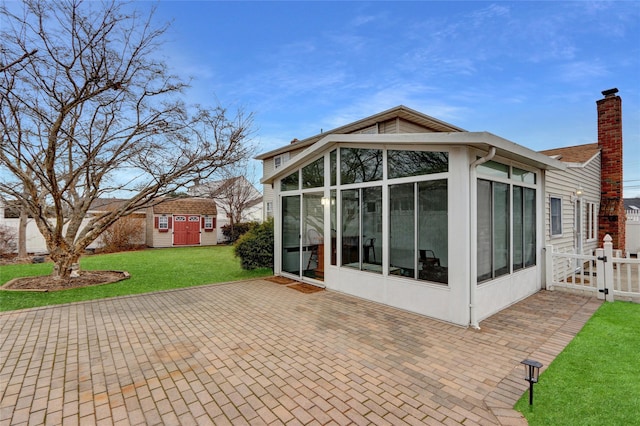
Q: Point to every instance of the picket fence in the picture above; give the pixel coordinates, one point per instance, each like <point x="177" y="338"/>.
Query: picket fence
<point x="606" y="273"/>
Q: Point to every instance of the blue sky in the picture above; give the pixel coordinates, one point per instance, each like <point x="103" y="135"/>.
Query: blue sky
<point x="530" y="72"/>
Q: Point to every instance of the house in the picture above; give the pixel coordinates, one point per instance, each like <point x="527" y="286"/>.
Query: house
<point x="573" y="199"/>
<point x="584" y="202"/>
<point x="233" y="196"/>
<point x="632" y="230"/>
<point x="403" y="209"/>
<point x="181" y="222"/>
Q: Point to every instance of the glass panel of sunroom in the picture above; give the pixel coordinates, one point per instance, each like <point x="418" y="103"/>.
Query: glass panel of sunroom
<point x="333" y="158"/>
<point x="360" y="165"/>
<point x="291" y="234"/>
<point x="518" y="228"/>
<point x="333" y="215"/>
<point x="433" y="231"/>
<point x="415" y="163"/>
<point x="529" y="227"/>
<point x="492" y="168"/>
<point x="291" y="182"/>
<point x="524" y="175"/>
<point x="312" y="235"/>
<point x="350" y="229"/>
<point x="402" y="257"/>
<point x="372" y="229"/>
<point x="484" y="243"/>
<point x="313" y="174"/>
<point x="500" y="228"/>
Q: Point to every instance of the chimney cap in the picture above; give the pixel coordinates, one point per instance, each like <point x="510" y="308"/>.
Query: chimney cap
<point x="609" y="93"/>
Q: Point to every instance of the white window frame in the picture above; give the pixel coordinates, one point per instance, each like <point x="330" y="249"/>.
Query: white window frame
<point x="592" y="221"/>
<point x="208" y="222"/>
<point x="163" y="222"/>
<point x="280" y="160"/>
<point x="553" y="218"/>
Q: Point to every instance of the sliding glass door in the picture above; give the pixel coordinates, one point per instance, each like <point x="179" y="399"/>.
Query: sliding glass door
<point x="303" y="235"/>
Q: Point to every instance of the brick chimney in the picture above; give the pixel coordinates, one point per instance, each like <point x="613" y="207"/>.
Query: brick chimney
<point x="611" y="219"/>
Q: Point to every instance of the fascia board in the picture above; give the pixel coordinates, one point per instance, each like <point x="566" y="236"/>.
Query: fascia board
<point x="479" y="140"/>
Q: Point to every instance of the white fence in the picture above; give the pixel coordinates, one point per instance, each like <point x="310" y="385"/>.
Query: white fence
<point x="605" y="274"/>
<point x="633" y="231"/>
<point x="35" y="241"/>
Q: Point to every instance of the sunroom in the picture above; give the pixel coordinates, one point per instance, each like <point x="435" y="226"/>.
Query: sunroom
<point x="448" y="225"/>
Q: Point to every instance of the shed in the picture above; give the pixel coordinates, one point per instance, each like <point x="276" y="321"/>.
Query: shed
<point x="176" y="222"/>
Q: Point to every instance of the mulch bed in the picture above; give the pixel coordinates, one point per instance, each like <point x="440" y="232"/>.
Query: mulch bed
<point x="48" y="283"/>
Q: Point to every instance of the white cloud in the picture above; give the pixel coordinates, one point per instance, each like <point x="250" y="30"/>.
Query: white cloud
<point x="582" y="72"/>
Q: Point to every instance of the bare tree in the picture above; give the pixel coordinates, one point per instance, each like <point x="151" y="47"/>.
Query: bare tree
<point x="92" y="112"/>
<point x="234" y="193"/>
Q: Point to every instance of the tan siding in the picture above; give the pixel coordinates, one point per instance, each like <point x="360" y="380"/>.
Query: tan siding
<point x="564" y="184"/>
<point x="405" y="126"/>
<point x="399" y="125"/>
<point x="161" y="239"/>
<point x="389" y="126"/>
<point x="208" y="238"/>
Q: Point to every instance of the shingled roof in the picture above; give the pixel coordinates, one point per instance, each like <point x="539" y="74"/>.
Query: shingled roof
<point x="573" y="154"/>
<point x="186" y="206"/>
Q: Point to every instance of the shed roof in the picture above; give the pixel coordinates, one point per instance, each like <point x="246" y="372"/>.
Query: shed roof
<point x="191" y="205"/>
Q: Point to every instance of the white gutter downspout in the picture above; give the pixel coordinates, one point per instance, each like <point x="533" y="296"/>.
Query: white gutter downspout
<point x="473" y="233"/>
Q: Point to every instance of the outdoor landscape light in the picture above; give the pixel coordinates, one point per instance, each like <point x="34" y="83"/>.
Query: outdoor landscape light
<point x="531" y="372"/>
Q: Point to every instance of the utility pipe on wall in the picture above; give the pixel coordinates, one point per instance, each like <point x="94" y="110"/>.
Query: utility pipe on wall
<point x="473" y="235"/>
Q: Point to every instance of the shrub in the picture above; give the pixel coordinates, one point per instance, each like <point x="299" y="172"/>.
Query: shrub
<point x="255" y="248"/>
<point x="127" y="233"/>
<point x="7" y="241"/>
<point x="232" y="233"/>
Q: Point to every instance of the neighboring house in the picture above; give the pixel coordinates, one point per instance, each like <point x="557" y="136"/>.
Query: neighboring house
<point x="235" y="196"/>
<point x="181" y="222"/>
<point x="403" y="209"/>
<point x="632" y="208"/>
<point x="632" y="204"/>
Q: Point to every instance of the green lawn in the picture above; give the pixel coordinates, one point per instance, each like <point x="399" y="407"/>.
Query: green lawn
<point x="151" y="270"/>
<point x="596" y="379"/>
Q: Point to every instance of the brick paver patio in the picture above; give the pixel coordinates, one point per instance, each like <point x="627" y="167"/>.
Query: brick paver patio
<point x="257" y="352"/>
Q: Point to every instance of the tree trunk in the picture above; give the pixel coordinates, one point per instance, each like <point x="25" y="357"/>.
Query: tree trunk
<point x="22" y="234"/>
<point x="65" y="264"/>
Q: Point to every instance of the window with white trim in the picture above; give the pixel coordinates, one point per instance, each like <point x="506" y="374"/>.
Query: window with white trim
<point x="280" y="160"/>
<point x="592" y="221"/>
<point x="208" y="222"/>
<point x="163" y="222"/>
<point x="506" y="220"/>
<point x="555" y="207"/>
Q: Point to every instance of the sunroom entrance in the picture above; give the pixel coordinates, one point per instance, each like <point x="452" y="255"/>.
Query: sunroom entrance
<point x="302" y="235"/>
